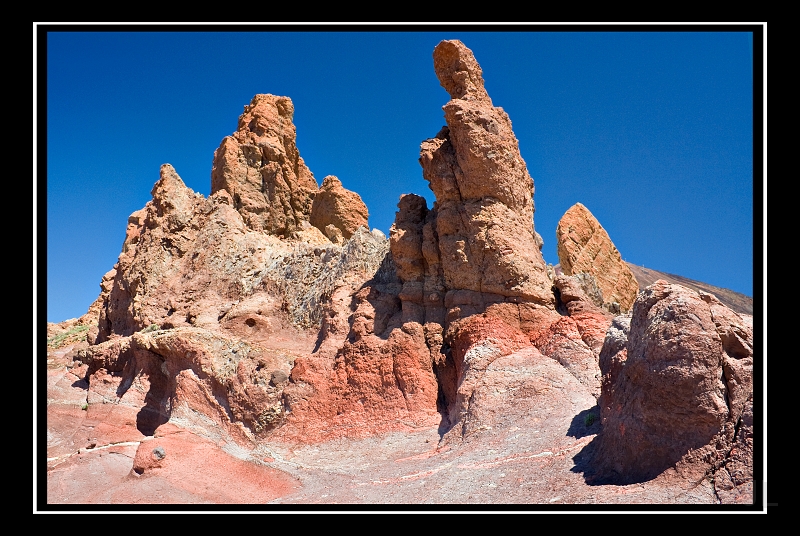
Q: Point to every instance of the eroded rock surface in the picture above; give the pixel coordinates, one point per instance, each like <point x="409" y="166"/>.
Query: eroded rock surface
<point x="270" y="184"/>
<point x="677" y="390"/>
<point x="576" y="339"/>
<point x="474" y="255"/>
<point x="483" y="214"/>
<point x="267" y="321"/>
<point x="338" y="212"/>
<point x="262" y="170"/>
<point x="584" y="246"/>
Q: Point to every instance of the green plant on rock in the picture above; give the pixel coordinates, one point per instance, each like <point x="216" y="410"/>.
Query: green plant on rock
<point x="589" y="419"/>
<point x="151" y="327"/>
<point x="56" y="340"/>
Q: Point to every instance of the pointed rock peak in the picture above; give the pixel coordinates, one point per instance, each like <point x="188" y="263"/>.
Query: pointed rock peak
<point x="483" y="223"/>
<point x="266" y="115"/>
<point x="458" y="71"/>
<point x="260" y="166"/>
<point x="168" y="179"/>
<point x="331" y="182"/>
<point x="169" y="186"/>
<point x="584" y="247"/>
<point x="172" y="197"/>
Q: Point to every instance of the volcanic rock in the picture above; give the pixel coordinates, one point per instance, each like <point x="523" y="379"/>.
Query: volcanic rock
<point x="741" y="303"/>
<point x="484" y="193"/>
<point x="266" y="325"/>
<point x="476" y="251"/>
<point x="584" y="246"/>
<point x="261" y="168"/>
<point x="337" y="211"/>
<point x="371" y="370"/>
<point x="678" y="393"/>
<point x="186" y="373"/>
<point x="475" y="256"/>
<point x="576" y="339"/>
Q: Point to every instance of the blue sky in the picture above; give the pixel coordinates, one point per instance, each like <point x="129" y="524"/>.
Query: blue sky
<point x="651" y="130"/>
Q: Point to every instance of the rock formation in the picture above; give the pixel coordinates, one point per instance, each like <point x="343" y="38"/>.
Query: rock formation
<point x="475" y="252"/>
<point x="484" y="195"/>
<point x="584" y="246"/>
<point x="576" y="339"/>
<point x="268" y="314"/>
<point x="195" y="263"/>
<point x="262" y="170"/>
<point x="270" y="184"/>
<point x="338" y="212"/>
<point x="677" y="391"/>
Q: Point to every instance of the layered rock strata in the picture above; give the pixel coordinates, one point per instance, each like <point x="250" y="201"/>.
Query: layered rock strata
<point x="584" y="246"/>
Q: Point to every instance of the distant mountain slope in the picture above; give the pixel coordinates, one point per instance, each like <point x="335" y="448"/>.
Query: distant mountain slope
<point x="646" y="277"/>
<point x="736" y="301"/>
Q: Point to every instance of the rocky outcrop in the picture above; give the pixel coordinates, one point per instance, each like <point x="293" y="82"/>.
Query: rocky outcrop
<point x="576" y="339"/>
<point x="741" y="303"/>
<point x="190" y="261"/>
<point x="677" y="391"/>
<point x="371" y="371"/>
<point x="475" y="254"/>
<point x="270" y="184"/>
<point x="262" y="170"/>
<point x="189" y="374"/>
<point x="269" y="314"/>
<point x="483" y="214"/>
<point x="338" y="212"/>
<point x="477" y="247"/>
<point x="584" y="246"/>
<point x="473" y="258"/>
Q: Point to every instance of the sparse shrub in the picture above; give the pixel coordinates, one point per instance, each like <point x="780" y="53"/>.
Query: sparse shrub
<point x="151" y="327"/>
<point x="56" y="340"/>
<point x="85" y="407"/>
<point x="589" y="419"/>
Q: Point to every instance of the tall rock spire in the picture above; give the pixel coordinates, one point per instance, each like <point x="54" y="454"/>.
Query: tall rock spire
<point x="483" y="214"/>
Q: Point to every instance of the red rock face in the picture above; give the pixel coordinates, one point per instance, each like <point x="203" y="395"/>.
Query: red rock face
<point x="372" y="370"/>
<point x="475" y="254"/>
<point x="576" y="339"/>
<point x="269" y="312"/>
<point x="676" y="393"/>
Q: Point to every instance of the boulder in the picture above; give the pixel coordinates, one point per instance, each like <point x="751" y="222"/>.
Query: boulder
<point x="677" y="391"/>
<point x="340" y="209"/>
